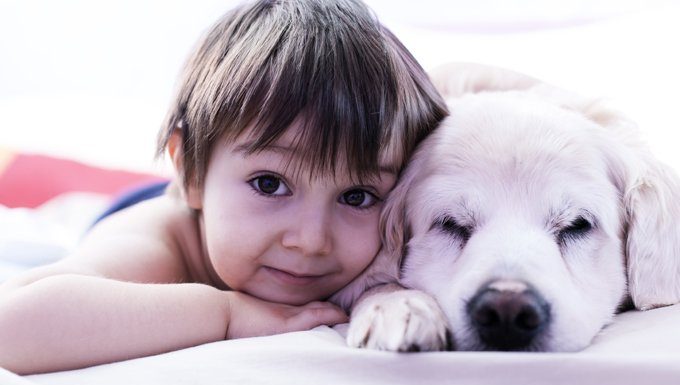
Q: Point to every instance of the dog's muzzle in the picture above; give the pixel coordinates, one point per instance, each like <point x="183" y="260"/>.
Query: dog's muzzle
<point x="508" y="315"/>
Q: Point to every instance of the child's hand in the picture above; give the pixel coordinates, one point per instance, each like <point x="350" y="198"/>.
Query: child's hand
<point x="250" y="316"/>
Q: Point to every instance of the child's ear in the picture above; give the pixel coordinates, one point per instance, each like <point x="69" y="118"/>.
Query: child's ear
<point x="190" y="192"/>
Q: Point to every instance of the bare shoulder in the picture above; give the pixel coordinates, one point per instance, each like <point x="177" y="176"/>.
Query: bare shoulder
<point x="155" y="241"/>
<point x="152" y="241"/>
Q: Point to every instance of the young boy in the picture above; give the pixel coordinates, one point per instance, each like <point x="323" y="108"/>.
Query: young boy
<point x="292" y="121"/>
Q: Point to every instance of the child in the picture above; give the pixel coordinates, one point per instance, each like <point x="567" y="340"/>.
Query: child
<point x="292" y="121"/>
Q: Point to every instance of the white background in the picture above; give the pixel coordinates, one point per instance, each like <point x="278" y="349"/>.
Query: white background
<point x="91" y="80"/>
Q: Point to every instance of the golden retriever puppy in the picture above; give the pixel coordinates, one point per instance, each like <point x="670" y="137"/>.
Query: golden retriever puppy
<point x="524" y="222"/>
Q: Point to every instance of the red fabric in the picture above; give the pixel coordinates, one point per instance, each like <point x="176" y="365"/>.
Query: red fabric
<point x="30" y="180"/>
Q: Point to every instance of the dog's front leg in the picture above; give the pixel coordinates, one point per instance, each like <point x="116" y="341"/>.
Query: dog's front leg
<point x="390" y="317"/>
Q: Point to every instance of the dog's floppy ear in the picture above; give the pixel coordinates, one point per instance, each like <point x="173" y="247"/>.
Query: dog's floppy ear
<point x="394" y="222"/>
<point x="650" y="194"/>
<point x="395" y="227"/>
<point x="653" y="240"/>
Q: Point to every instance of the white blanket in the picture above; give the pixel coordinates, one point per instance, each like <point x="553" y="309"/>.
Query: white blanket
<point x="638" y="348"/>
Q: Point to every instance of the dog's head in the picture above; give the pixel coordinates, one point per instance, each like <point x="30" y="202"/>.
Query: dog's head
<point x="531" y="221"/>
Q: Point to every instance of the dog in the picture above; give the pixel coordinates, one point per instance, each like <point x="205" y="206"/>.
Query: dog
<point x="524" y="222"/>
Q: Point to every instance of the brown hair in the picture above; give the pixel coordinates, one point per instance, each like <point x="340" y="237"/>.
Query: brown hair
<point x="358" y="90"/>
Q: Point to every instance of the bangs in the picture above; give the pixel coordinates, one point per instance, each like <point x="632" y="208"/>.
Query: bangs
<point x="338" y="92"/>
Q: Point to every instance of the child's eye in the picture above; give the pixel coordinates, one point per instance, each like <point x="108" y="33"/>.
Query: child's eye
<point x="269" y="185"/>
<point x="358" y="198"/>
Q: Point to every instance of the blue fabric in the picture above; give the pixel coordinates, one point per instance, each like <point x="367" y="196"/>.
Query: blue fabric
<point x="133" y="196"/>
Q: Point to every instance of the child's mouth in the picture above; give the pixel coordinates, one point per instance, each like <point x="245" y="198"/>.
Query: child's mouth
<point x="291" y="278"/>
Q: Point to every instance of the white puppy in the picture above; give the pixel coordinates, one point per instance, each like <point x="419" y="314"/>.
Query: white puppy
<point x="530" y="216"/>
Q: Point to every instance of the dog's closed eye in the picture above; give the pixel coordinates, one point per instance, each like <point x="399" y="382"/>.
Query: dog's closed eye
<point x="451" y="227"/>
<point x="577" y="229"/>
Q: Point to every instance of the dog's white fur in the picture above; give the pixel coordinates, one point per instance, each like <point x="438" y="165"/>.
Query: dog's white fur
<point x="515" y="164"/>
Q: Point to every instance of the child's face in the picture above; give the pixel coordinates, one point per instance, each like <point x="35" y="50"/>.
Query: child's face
<point x="281" y="236"/>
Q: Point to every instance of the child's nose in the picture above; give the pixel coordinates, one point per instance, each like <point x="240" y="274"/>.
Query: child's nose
<point x="309" y="233"/>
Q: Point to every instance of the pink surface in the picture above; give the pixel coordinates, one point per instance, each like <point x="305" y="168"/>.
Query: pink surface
<point x="30" y="180"/>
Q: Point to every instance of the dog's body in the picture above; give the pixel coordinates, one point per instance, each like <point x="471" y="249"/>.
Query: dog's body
<point x="529" y="215"/>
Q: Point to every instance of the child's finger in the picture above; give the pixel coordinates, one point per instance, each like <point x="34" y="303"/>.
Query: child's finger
<point x="315" y="314"/>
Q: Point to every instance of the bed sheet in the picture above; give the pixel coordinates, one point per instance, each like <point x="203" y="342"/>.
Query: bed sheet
<point x="638" y="348"/>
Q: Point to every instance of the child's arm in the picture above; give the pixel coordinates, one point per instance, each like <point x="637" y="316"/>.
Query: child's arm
<point x="71" y="321"/>
<point x="103" y="304"/>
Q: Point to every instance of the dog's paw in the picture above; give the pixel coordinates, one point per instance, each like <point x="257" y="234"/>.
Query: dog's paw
<point x="403" y="321"/>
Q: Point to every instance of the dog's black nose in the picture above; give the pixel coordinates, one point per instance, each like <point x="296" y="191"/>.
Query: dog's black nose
<point x="508" y="317"/>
